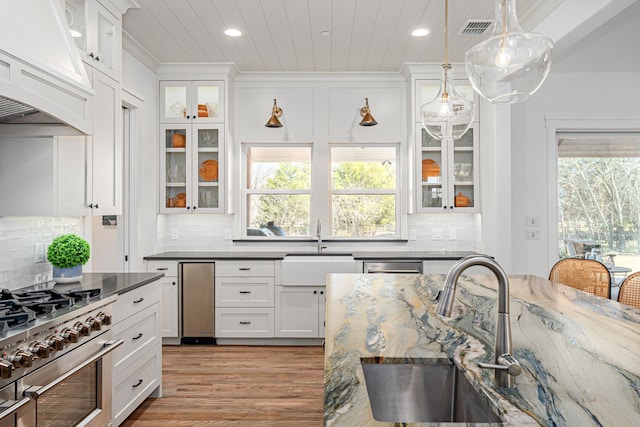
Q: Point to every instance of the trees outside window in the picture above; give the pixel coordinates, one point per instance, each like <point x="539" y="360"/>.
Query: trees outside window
<point x="361" y="199"/>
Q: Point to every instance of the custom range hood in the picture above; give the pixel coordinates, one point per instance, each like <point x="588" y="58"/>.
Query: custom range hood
<point x="42" y="78"/>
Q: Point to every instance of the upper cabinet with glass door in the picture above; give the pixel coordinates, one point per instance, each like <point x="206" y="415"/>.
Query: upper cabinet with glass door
<point x="97" y="32"/>
<point x="191" y="170"/>
<point x="191" y="101"/>
<point x="447" y="171"/>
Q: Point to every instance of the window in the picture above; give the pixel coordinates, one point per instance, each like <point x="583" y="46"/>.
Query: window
<point x="364" y="191"/>
<point x="353" y="188"/>
<point x="598" y="198"/>
<point x="278" y="190"/>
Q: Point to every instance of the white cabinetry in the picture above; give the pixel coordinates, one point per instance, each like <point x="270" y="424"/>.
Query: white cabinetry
<point x="137" y="365"/>
<point x="169" y="302"/>
<point x="447" y="171"/>
<point x="97" y="32"/>
<point x="244" y="299"/>
<point x="300" y="311"/>
<point x="191" y="101"/>
<point x="191" y="168"/>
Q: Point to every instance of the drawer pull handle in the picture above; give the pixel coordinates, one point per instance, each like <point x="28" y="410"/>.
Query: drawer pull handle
<point x="138" y="300"/>
<point x="137" y="384"/>
<point x="137" y="337"/>
<point x="245" y="323"/>
<point x="244" y="268"/>
<point x="162" y="268"/>
<point x="245" y="292"/>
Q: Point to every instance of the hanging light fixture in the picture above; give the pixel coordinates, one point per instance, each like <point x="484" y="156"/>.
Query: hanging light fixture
<point x="510" y="66"/>
<point x="449" y="115"/>
<point x="367" y="118"/>
<point x="275" y="113"/>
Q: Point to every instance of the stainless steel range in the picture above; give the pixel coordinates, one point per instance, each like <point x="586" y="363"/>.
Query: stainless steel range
<point x="55" y="358"/>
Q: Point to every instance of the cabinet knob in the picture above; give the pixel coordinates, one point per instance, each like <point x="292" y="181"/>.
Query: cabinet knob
<point x="173" y="283"/>
<point x="315" y="292"/>
<point x="321" y="292"/>
<point x="194" y="208"/>
<point x="92" y="55"/>
<point x="96" y="206"/>
<point x="188" y="207"/>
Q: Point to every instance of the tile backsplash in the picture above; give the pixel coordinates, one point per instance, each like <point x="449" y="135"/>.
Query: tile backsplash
<point x="18" y="239"/>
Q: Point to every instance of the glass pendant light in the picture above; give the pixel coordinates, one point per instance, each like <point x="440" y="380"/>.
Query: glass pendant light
<point x="449" y="115"/>
<point x="510" y="66"/>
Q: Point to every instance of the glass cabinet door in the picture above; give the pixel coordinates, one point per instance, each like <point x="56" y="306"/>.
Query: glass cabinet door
<point x="431" y="168"/>
<point x="208" y="168"/>
<point x="175" y="169"/>
<point x="194" y="102"/>
<point x="463" y="171"/>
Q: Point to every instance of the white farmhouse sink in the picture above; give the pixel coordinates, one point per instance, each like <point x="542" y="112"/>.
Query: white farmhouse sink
<point x="311" y="269"/>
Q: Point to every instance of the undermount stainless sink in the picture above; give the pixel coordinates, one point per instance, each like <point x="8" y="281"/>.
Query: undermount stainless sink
<point x="423" y="390"/>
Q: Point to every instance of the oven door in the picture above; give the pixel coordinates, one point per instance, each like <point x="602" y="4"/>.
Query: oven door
<point x="73" y="390"/>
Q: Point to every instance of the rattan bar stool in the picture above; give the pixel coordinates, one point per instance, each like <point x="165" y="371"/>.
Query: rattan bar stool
<point x="587" y="275"/>
<point x="630" y="290"/>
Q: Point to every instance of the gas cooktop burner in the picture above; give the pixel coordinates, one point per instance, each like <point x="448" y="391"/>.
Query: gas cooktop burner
<point x="17" y="308"/>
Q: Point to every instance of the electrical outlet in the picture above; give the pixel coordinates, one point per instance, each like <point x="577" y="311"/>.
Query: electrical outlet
<point x="453" y="234"/>
<point x="40" y="254"/>
<point x="227" y="234"/>
<point x="412" y="234"/>
<point x="532" y="221"/>
<point x="532" y="234"/>
<point x="436" y="234"/>
<point x="174" y="234"/>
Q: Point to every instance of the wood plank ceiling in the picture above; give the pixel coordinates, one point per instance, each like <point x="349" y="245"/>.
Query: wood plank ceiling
<point x="285" y="35"/>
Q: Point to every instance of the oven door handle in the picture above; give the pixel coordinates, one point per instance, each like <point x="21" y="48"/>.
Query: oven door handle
<point x="393" y="271"/>
<point x="14" y="408"/>
<point x="36" y="391"/>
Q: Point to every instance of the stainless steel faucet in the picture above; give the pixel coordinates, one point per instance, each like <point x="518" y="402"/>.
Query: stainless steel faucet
<point x="319" y="236"/>
<point x="505" y="365"/>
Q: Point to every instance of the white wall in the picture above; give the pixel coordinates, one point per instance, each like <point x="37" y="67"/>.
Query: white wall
<point x="593" y="97"/>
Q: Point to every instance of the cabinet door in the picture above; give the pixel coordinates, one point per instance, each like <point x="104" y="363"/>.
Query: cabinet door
<point x="97" y="33"/>
<point x="207" y="167"/>
<point x="463" y="172"/>
<point x="431" y="172"/>
<point x="191" y="102"/>
<point x="175" y="168"/>
<point x="75" y="181"/>
<point x="297" y="309"/>
<point x="169" y="307"/>
<point x="107" y="146"/>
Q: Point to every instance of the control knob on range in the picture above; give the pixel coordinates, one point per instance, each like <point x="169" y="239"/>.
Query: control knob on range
<point x="5" y="368"/>
<point x="104" y="318"/>
<point x="21" y="358"/>
<point x="56" y="342"/>
<point x="94" y="323"/>
<point x="70" y="334"/>
<point x="82" y="328"/>
<point x="40" y="349"/>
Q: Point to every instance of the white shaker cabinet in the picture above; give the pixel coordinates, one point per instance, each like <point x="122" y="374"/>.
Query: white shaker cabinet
<point x="97" y="32"/>
<point x="169" y="303"/>
<point x="300" y="311"/>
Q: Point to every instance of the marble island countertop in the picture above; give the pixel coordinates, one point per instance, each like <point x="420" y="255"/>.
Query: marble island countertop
<point x="580" y="354"/>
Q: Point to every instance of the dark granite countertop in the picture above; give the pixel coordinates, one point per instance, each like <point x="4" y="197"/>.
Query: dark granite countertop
<point x="108" y="283"/>
<point x="276" y="255"/>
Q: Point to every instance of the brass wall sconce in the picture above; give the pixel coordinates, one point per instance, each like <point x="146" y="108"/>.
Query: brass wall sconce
<point x="275" y="113"/>
<point x="367" y="118"/>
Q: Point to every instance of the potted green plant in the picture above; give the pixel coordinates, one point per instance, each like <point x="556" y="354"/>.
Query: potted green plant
<point x="67" y="254"/>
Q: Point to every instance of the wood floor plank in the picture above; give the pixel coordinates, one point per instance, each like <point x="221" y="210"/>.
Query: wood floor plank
<point x="233" y="386"/>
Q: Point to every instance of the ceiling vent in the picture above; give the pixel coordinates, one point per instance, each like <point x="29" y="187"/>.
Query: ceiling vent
<point x="475" y="28"/>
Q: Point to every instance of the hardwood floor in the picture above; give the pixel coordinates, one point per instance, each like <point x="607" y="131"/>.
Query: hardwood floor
<point x="237" y="386"/>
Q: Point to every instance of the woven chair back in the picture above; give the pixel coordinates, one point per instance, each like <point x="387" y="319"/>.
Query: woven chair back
<point x="588" y="275"/>
<point x="630" y="290"/>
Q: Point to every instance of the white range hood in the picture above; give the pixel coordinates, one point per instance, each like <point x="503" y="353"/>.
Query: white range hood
<point x="42" y="78"/>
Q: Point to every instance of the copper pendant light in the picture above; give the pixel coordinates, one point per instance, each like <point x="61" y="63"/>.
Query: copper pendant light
<point x="275" y="113"/>
<point x="367" y="118"/>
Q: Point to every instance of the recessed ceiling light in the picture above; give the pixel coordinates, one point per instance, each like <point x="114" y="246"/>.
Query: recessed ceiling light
<point x="420" y="32"/>
<point x="325" y="33"/>
<point x="232" y="32"/>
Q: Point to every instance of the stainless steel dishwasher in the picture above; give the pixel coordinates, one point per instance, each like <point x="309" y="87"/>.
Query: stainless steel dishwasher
<point x="392" y="266"/>
<point x="196" y="280"/>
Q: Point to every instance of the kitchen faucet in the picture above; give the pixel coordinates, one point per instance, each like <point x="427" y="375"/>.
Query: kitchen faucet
<point x="319" y="236"/>
<point x="505" y="365"/>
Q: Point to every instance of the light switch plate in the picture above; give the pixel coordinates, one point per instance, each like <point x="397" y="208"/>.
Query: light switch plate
<point x="436" y="234"/>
